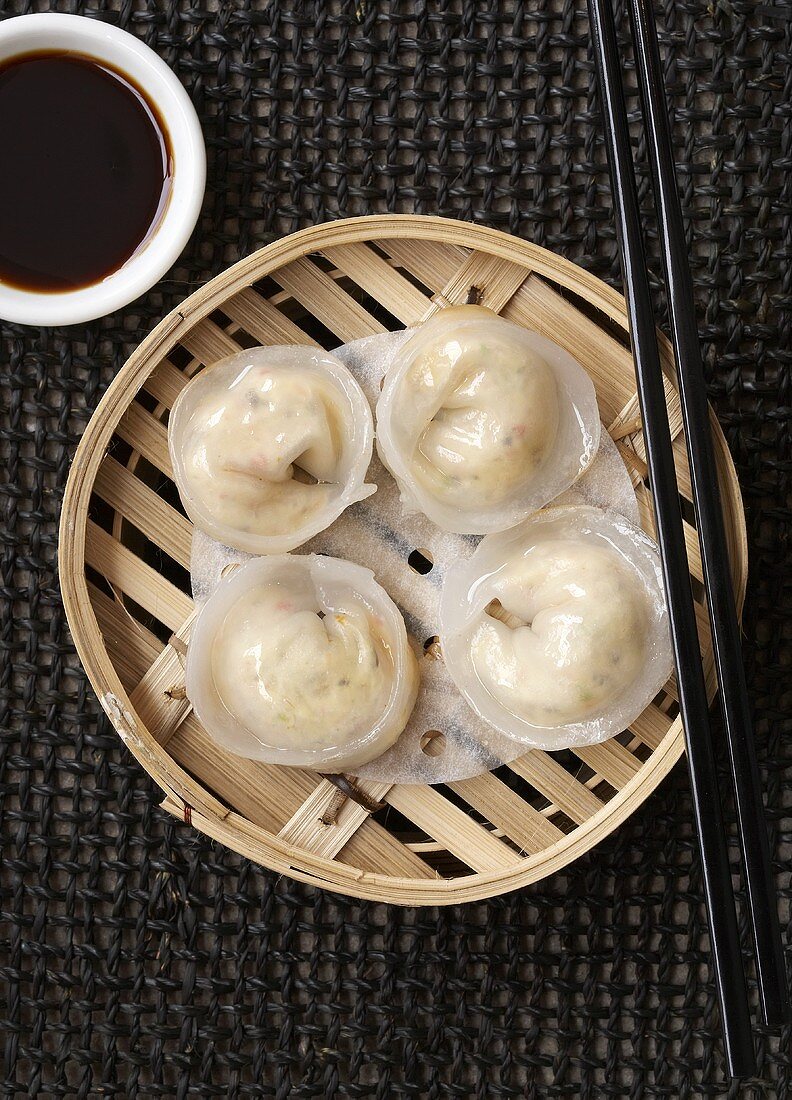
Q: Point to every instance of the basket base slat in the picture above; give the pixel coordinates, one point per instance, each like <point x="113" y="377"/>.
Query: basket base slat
<point x="337" y="311"/>
<point x="133" y="648"/>
<point x="147" y="436"/>
<point x="160" y="700"/>
<point x="562" y="790"/>
<point x="263" y="321"/>
<point x="508" y="812"/>
<point x="136" y="502"/>
<point x="611" y="761"/>
<point x="652" y="726"/>
<point x="432" y="262"/>
<point x="370" y="272"/>
<point x="453" y="828"/>
<point x="327" y="819"/>
<point x="494" y="281"/>
<point x="208" y="343"/>
<point x="165" y="383"/>
<point x="127" y="572"/>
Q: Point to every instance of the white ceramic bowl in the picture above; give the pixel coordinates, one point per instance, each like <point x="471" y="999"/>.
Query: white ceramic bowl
<point x="49" y="31"/>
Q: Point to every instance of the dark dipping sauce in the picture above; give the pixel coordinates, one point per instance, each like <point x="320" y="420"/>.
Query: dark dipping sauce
<point x="86" y="171"/>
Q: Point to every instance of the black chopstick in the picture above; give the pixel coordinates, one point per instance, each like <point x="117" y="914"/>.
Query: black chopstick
<point x="724" y="934"/>
<point x="760" y="886"/>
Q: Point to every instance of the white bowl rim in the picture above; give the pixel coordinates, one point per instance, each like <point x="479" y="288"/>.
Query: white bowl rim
<point x="75" y="33"/>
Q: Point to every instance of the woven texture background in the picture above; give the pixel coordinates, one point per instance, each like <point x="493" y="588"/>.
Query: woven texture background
<point x="137" y="958"/>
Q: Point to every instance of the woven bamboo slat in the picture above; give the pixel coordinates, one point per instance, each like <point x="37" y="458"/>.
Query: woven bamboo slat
<point x="125" y="545"/>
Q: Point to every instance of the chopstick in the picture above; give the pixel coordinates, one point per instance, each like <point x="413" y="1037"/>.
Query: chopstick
<point x="693" y="705"/>
<point x="760" y="887"/>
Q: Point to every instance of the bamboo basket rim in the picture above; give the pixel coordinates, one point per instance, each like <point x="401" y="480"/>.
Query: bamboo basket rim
<point x="187" y="797"/>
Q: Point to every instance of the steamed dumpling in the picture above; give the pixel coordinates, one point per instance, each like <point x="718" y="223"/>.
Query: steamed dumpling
<point x="579" y="638"/>
<point x="556" y="631"/>
<point x="482" y="422"/>
<point x="320" y="679"/>
<point x="302" y="660"/>
<point x="254" y="439"/>
<point x="494" y="418"/>
<point x="269" y="447"/>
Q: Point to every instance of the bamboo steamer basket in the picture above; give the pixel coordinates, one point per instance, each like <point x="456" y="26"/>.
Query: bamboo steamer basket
<point x="125" y="549"/>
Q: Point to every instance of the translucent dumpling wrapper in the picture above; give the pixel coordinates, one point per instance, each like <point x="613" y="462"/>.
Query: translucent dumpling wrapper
<point x="269" y="446"/>
<point x="556" y="632"/>
<point x="482" y="422"/>
<point x="302" y="660"/>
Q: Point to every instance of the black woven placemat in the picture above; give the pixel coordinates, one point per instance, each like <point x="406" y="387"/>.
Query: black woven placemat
<point x="139" y="959"/>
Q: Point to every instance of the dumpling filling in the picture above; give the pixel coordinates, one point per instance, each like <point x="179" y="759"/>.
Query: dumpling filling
<point x="295" y="676"/>
<point x="574" y="638"/>
<point x="269" y="447"/>
<point x="556" y="631"/>
<point x="302" y="660"/>
<point x="266" y="451"/>
<point x="494" y="417"/>
<point x="482" y="422"/>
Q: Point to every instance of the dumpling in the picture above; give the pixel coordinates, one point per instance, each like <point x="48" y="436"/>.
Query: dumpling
<point x="482" y="422"/>
<point x="556" y="632"/>
<point x="302" y="660"/>
<point x="269" y="446"/>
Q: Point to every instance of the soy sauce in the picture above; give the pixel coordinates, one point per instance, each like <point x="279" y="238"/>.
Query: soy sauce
<point x="86" y="171"/>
